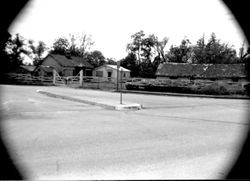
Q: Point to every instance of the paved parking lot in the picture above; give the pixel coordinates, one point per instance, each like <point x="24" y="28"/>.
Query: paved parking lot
<point x="172" y="137"/>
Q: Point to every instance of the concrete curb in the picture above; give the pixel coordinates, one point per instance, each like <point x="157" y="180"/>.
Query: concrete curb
<point x="185" y="95"/>
<point x="128" y="107"/>
<point x="107" y="106"/>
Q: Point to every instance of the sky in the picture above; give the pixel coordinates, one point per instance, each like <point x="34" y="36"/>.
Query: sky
<point x="112" y="22"/>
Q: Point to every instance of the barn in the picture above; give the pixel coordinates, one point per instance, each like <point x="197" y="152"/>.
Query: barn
<point x="66" y="65"/>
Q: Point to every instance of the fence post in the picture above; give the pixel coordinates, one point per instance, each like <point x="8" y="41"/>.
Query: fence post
<point x="54" y="76"/>
<point x="81" y="77"/>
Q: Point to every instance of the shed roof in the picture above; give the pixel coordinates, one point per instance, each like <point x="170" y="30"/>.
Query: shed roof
<point x="114" y="67"/>
<point x="202" y="70"/>
<point x="71" y="61"/>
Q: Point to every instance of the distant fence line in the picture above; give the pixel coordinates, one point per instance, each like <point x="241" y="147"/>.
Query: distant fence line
<point x="28" y="79"/>
<point x="93" y="79"/>
<point x="108" y="82"/>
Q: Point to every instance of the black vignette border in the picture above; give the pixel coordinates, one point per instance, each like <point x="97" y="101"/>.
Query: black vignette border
<point x="240" y="169"/>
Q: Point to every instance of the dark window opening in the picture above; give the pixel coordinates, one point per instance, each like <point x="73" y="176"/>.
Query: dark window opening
<point x="235" y="79"/>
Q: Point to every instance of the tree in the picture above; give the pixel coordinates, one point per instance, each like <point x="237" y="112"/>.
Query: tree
<point x="73" y="50"/>
<point x="111" y="61"/>
<point x="147" y="70"/>
<point x="15" y="48"/>
<point x="5" y="63"/>
<point x="79" y="44"/>
<point x="95" y="58"/>
<point x="214" y="52"/>
<point x="159" y="46"/>
<point x="145" y="48"/>
<point x="85" y="42"/>
<point x="180" y="54"/>
<point x="132" y="64"/>
<point x="136" y="45"/>
<point x="60" y="46"/>
<point x="157" y="61"/>
<point x="199" y="51"/>
<point x="242" y="50"/>
<point x="37" y="51"/>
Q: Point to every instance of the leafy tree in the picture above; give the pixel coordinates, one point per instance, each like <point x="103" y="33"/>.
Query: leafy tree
<point x="214" y="52"/>
<point x="37" y="51"/>
<point x="111" y="61"/>
<point x="180" y="54"/>
<point x="242" y="50"/>
<point x="5" y="64"/>
<point x="199" y="51"/>
<point x="145" y="48"/>
<point x="60" y="46"/>
<point x="147" y="70"/>
<point x="246" y="57"/>
<point x="95" y="58"/>
<point x="85" y="43"/>
<point x="79" y="44"/>
<point x="73" y="50"/>
<point x="136" y="45"/>
<point x="75" y="45"/>
<point x="15" y="48"/>
<point x="159" y="46"/>
<point x="131" y="63"/>
<point x="157" y="61"/>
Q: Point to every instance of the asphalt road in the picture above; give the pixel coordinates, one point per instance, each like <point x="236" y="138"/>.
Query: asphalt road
<point x="171" y="138"/>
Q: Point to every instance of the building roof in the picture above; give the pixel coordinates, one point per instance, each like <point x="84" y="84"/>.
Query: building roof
<point x="29" y="68"/>
<point x="201" y="70"/>
<point x="114" y="67"/>
<point x="71" y="61"/>
<point x="47" y="69"/>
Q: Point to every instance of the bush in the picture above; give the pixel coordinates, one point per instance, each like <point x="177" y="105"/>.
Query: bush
<point x="176" y="86"/>
<point x="214" y="89"/>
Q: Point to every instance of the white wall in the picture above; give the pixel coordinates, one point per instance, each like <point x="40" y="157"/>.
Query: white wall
<point x="105" y="71"/>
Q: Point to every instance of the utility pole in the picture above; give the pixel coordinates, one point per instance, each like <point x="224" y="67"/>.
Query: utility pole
<point x="117" y="83"/>
<point x="121" y="89"/>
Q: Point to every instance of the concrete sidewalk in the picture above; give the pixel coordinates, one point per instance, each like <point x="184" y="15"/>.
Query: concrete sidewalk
<point x="91" y="99"/>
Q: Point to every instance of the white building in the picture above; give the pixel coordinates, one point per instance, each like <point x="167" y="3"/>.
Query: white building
<point x="110" y="72"/>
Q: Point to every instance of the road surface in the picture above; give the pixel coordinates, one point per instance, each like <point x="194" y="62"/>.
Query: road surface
<point x="171" y="138"/>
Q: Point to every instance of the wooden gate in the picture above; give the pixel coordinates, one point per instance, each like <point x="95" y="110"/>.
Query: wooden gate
<point x="67" y="80"/>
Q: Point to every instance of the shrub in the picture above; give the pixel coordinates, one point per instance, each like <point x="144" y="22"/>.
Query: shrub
<point x="176" y="86"/>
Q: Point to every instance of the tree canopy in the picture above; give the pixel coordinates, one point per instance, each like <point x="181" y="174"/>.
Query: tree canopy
<point x="96" y="58"/>
<point x="145" y="52"/>
<point x="14" y="48"/>
<point x="37" y="51"/>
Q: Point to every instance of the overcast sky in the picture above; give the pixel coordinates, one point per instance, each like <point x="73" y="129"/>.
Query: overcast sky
<point x="112" y="22"/>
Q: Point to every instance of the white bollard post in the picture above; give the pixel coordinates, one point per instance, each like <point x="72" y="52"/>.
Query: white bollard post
<point x="81" y="77"/>
<point x="54" y="76"/>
